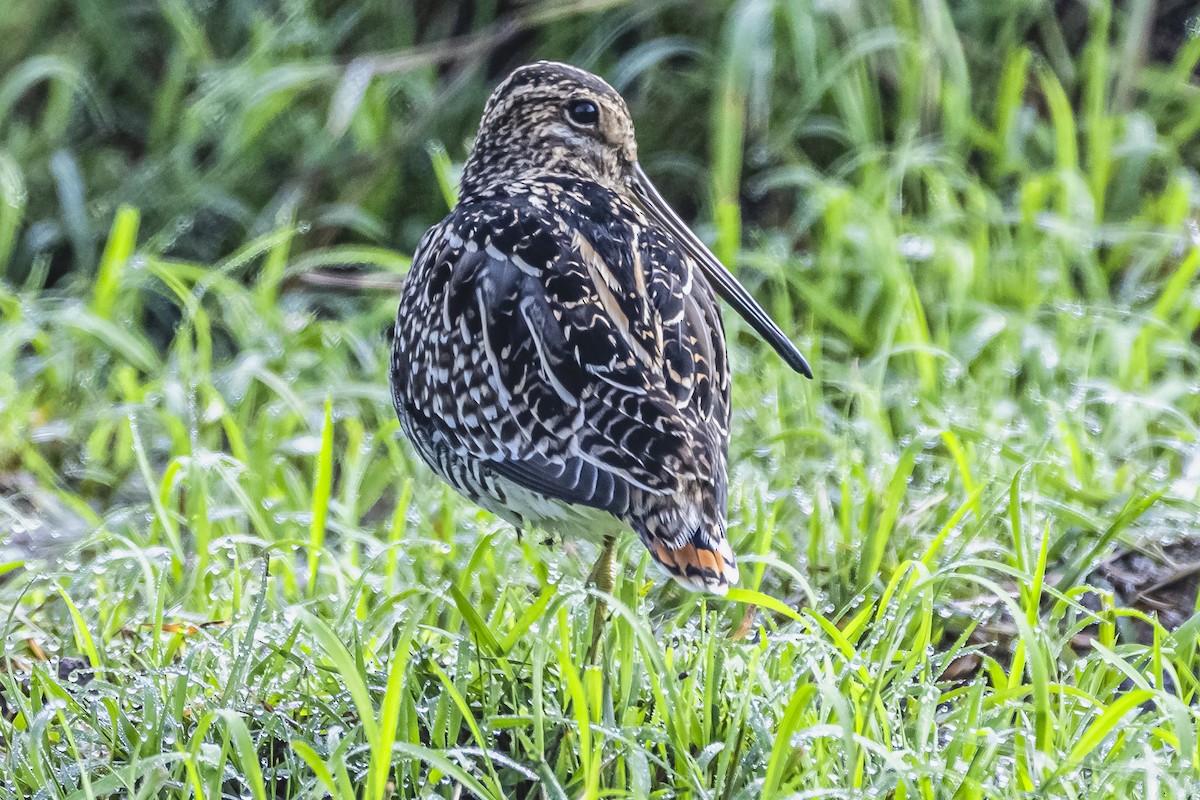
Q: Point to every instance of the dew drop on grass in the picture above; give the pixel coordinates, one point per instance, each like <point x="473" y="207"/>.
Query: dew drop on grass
<point x="914" y="247"/>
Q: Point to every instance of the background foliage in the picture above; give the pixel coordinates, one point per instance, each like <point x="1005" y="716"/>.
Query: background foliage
<point x="223" y="573"/>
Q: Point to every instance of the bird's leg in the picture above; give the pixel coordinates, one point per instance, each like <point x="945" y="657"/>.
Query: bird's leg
<point x="604" y="576"/>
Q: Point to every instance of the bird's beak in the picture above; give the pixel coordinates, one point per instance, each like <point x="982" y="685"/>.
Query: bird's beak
<point x="718" y="276"/>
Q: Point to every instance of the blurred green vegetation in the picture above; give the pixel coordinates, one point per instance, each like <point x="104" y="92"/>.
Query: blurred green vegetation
<point x="218" y="119"/>
<point x="978" y="220"/>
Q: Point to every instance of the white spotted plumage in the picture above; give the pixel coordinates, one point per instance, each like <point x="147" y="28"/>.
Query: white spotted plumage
<point x="557" y="357"/>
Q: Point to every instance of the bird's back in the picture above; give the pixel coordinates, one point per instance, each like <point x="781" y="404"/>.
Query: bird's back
<point x="555" y="348"/>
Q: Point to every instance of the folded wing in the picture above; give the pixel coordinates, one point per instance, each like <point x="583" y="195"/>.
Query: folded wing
<point x="548" y="362"/>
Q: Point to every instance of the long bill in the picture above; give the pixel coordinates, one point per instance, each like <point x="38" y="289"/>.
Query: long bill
<point x="721" y="279"/>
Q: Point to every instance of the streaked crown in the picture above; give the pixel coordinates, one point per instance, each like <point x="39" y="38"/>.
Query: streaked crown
<point x="552" y="119"/>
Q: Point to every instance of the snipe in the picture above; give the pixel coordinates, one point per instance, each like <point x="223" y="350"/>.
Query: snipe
<point x="559" y="357"/>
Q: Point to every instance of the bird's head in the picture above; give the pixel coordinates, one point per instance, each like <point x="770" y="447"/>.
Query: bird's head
<point x="550" y="118"/>
<point x="554" y="119"/>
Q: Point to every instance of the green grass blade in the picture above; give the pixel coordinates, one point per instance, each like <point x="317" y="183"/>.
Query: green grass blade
<point x="122" y="239"/>
<point x="321" y="493"/>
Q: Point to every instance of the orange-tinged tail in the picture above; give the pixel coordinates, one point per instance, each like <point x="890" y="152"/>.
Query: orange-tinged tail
<point x="704" y="563"/>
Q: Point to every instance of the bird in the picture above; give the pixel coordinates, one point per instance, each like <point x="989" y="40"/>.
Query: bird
<point x="559" y="357"/>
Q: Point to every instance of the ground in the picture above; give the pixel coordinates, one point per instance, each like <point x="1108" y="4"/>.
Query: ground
<point x="967" y="547"/>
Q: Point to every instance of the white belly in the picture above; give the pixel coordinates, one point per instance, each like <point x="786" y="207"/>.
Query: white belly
<point x="551" y="515"/>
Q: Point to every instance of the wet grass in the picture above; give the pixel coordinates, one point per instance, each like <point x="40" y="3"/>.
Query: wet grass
<point x="227" y="575"/>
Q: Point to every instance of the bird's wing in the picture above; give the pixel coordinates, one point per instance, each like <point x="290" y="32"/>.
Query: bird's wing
<point x="544" y="356"/>
<point x="696" y="367"/>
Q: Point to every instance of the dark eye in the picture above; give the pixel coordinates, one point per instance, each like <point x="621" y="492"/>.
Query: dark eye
<point x="583" y="112"/>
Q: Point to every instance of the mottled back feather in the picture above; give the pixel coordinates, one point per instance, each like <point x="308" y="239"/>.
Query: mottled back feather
<point x="557" y="345"/>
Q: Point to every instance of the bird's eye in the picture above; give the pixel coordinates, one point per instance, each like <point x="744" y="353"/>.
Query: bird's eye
<point x="583" y="112"/>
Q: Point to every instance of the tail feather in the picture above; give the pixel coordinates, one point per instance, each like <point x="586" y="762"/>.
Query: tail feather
<point x="702" y="563"/>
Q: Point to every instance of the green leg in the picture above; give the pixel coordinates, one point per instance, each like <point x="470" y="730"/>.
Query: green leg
<point x="604" y="576"/>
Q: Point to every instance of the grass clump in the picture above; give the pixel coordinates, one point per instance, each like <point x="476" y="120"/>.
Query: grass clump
<point x="223" y="573"/>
